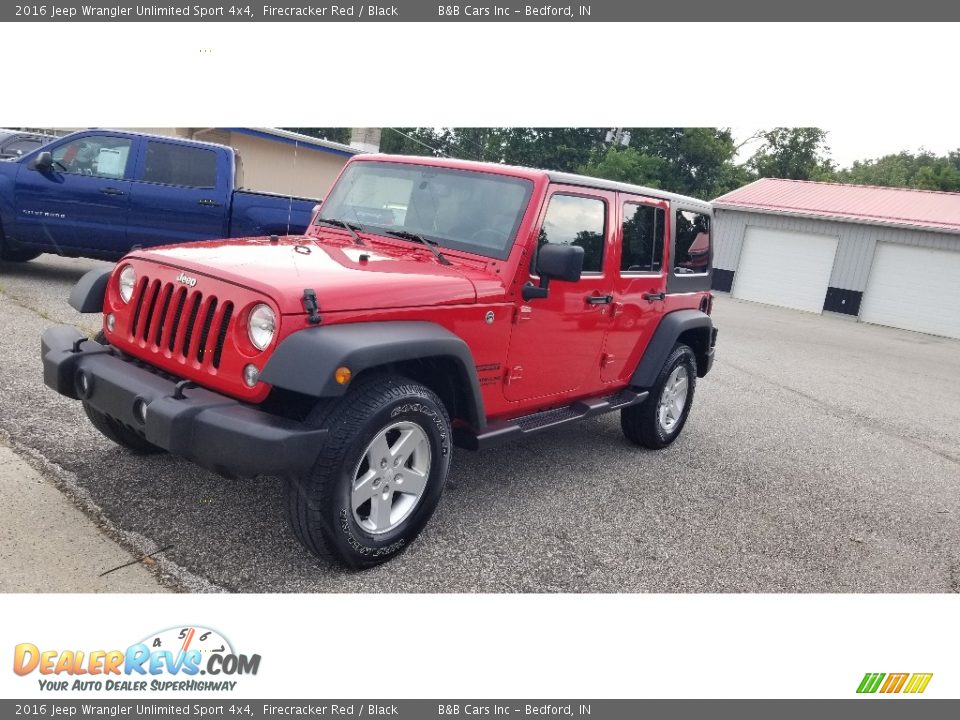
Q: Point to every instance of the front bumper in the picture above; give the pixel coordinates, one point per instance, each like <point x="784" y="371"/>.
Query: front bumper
<point x="215" y="431"/>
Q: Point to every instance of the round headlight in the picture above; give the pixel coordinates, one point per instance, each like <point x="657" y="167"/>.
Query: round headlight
<point x="261" y="326"/>
<point x="128" y="278"/>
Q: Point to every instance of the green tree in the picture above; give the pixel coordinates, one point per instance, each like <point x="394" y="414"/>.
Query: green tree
<point x="625" y="165"/>
<point x="793" y="154"/>
<point x="561" y="149"/>
<point x="924" y="171"/>
<point x="693" y="161"/>
<point x="412" y="141"/>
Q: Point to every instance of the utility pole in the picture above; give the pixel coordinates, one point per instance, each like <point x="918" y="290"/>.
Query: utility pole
<point x="617" y="136"/>
<point x="365" y="139"/>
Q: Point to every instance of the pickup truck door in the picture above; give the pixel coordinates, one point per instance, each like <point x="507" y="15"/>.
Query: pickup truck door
<point x="79" y="204"/>
<point x="639" y="282"/>
<point x="180" y="192"/>
<point x="555" y="343"/>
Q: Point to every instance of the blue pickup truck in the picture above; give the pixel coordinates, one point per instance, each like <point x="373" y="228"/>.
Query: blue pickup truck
<point x="98" y="193"/>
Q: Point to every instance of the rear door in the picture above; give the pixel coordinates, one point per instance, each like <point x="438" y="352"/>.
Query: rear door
<point x="81" y="203"/>
<point x="555" y="344"/>
<point x="180" y="193"/>
<point x="639" y="280"/>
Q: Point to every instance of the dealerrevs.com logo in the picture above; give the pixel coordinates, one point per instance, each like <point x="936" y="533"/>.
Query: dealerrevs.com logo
<point x="180" y="659"/>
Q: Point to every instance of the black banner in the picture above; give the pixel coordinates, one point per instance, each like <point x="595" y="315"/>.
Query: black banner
<point x="503" y="11"/>
<point x="853" y="709"/>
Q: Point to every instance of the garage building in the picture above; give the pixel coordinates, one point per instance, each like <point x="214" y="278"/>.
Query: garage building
<point x="889" y="256"/>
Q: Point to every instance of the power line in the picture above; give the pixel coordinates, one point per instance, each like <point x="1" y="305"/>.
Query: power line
<point x="420" y="142"/>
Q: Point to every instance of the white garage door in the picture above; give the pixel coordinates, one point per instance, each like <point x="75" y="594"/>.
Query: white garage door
<point x="915" y="289"/>
<point x="790" y="269"/>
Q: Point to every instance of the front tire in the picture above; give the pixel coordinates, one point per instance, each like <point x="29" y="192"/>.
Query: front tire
<point x="658" y="420"/>
<point x="379" y="475"/>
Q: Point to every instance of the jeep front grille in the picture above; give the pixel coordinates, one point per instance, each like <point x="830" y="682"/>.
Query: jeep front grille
<point x="180" y="322"/>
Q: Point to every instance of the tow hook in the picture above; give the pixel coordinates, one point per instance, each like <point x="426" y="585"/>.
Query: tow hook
<point x="180" y="387"/>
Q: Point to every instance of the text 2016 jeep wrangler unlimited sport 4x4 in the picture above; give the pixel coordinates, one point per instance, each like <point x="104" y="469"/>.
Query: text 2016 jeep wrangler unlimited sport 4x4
<point x="432" y="303"/>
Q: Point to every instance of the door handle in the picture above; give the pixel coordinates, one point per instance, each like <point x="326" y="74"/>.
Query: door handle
<point x="208" y="203"/>
<point x="651" y="297"/>
<point x="112" y="191"/>
<point x="599" y="299"/>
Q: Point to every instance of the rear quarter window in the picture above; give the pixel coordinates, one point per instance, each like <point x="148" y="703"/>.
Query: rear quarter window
<point x="170" y="164"/>
<point x="692" y="246"/>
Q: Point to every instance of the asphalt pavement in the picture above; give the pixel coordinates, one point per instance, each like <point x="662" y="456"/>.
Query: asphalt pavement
<point x="821" y="455"/>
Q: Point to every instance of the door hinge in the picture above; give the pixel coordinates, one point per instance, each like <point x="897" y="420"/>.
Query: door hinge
<point x="606" y="360"/>
<point x="522" y="314"/>
<point x="513" y="374"/>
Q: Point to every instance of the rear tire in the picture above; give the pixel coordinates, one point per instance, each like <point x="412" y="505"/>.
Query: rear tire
<point x="379" y="475"/>
<point x="658" y="420"/>
<point x="115" y="431"/>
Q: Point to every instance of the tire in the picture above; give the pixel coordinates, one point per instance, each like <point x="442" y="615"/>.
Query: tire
<point x="652" y="424"/>
<point x="115" y="431"/>
<point x="380" y="417"/>
<point x="10" y="254"/>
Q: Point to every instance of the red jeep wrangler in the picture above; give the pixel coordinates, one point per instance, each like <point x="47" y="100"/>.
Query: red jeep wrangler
<point x="432" y="303"/>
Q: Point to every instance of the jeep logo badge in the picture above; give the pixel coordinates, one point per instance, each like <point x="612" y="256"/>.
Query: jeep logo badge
<point x="186" y="280"/>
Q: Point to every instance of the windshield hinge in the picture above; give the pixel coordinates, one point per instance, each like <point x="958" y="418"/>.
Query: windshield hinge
<point x="312" y="307"/>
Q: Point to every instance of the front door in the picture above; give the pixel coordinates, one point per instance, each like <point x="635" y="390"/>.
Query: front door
<point x="81" y="202"/>
<point x="555" y="343"/>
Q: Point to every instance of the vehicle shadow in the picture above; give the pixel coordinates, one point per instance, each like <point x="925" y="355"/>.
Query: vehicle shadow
<point x="42" y="271"/>
<point x="233" y="533"/>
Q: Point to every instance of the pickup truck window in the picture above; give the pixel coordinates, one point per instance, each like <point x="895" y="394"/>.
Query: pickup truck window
<point x="692" y="246"/>
<point x="577" y="220"/>
<point x="96" y="155"/>
<point x="171" y="164"/>
<point x="463" y="210"/>
<point x="642" y="249"/>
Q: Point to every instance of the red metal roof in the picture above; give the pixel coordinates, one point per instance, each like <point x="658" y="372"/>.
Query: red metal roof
<point x="924" y="209"/>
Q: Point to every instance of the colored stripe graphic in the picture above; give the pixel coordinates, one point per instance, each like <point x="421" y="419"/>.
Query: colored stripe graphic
<point x="894" y="682"/>
<point x="870" y="682"/>
<point x="918" y="683"/>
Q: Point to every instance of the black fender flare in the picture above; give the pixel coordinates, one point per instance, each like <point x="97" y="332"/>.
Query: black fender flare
<point x="306" y="361"/>
<point x="671" y="327"/>
<point x="87" y="295"/>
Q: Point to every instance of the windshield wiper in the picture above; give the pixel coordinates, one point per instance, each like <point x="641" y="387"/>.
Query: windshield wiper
<point x="349" y="227"/>
<point x="430" y="244"/>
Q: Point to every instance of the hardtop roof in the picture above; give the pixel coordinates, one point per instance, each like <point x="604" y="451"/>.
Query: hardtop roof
<point x="536" y="173"/>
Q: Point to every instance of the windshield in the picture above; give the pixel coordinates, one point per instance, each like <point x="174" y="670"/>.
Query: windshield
<point x="458" y="209"/>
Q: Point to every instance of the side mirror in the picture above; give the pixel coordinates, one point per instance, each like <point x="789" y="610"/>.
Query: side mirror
<point x="555" y="262"/>
<point x="44" y="161"/>
<point x="560" y="262"/>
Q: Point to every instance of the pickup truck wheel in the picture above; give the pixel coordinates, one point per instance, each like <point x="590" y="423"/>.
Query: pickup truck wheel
<point x="658" y="420"/>
<point x="379" y="475"/>
<point x="113" y="430"/>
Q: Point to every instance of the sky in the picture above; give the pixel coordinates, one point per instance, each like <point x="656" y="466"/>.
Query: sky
<point x="865" y="142"/>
